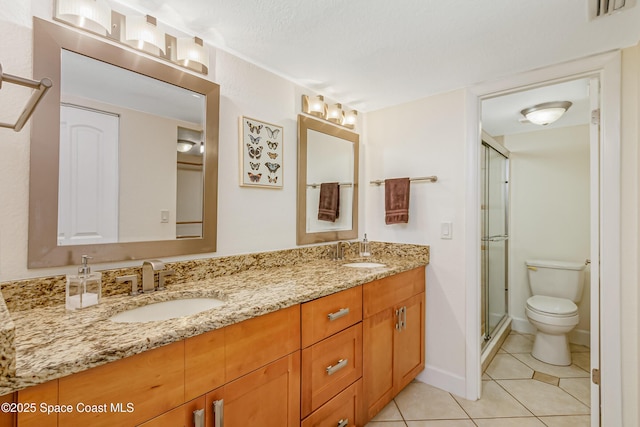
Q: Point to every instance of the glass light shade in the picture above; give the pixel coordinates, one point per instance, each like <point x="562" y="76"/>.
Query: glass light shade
<point x="191" y="50"/>
<point x="546" y="113"/>
<point x="350" y="118"/>
<point x="314" y="105"/>
<point x="185" y="145"/>
<point x="93" y="15"/>
<point x="142" y="33"/>
<point x="335" y="114"/>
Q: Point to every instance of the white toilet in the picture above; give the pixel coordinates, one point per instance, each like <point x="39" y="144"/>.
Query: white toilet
<point x="556" y="287"/>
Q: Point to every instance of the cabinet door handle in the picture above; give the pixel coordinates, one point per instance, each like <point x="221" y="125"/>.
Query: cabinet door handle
<point x="198" y="418"/>
<point x="404" y="317"/>
<point x="335" y="368"/>
<point x="218" y="413"/>
<point x="398" y="320"/>
<point x="338" y="314"/>
<point x="343" y="422"/>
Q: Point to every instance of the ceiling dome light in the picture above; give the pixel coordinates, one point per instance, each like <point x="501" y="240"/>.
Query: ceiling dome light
<point x="546" y="113"/>
<point x="93" y="15"/>
<point x="184" y="145"/>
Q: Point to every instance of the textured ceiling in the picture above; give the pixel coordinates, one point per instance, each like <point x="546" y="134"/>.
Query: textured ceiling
<point x="371" y="54"/>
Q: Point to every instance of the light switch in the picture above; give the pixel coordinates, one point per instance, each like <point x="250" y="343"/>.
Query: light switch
<point x="446" y="230"/>
<point x="164" y="215"/>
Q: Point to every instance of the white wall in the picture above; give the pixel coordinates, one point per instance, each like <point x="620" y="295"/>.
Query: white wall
<point x="549" y="215"/>
<point x="422" y="138"/>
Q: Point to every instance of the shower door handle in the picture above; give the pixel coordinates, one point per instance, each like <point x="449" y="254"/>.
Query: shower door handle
<point x="496" y="238"/>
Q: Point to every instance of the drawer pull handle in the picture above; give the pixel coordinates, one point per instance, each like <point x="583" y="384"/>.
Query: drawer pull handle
<point x="338" y="314"/>
<point x="218" y="413"/>
<point x="343" y="422"/>
<point x="198" y="418"/>
<point x="335" y="368"/>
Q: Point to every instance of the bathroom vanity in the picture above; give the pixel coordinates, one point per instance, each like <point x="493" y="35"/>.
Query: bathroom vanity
<point x="312" y="343"/>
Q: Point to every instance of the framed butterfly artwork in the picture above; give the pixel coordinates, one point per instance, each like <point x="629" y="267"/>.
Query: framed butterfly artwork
<point x="261" y="148"/>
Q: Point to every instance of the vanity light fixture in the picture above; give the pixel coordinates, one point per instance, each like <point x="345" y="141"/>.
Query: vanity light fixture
<point x="191" y="52"/>
<point x="92" y="15"/>
<point x="316" y="106"/>
<point x="335" y="114"/>
<point x="142" y="32"/>
<point x="136" y="31"/>
<point x="546" y="113"/>
<point x="185" y="145"/>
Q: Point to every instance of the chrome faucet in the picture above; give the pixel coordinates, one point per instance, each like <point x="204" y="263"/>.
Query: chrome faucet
<point x="340" y="249"/>
<point x="149" y="269"/>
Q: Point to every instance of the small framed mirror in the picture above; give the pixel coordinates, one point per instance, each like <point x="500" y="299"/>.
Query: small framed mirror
<point x="327" y="154"/>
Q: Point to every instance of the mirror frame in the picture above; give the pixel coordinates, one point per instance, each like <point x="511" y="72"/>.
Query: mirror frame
<point x="43" y="250"/>
<point x="306" y="123"/>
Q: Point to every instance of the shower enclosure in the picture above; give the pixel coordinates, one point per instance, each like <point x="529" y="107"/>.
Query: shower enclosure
<point x="495" y="237"/>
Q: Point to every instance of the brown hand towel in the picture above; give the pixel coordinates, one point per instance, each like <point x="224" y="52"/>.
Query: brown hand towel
<point x="396" y="200"/>
<point x="329" y="207"/>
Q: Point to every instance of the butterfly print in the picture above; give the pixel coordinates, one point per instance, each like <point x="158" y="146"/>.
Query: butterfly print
<point x="273" y="133"/>
<point x="255" y="139"/>
<point x="255" y="166"/>
<point x="273" y="167"/>
<point x="272" y="155"/>
<point x="254" y="152"/>
<point x="254" y="128"/>
<point x="272" y="145"/>
<point x="254" y="177"/>
<point x="273" y="180"/>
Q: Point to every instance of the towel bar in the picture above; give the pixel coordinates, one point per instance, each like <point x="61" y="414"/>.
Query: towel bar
<point x="419" y="179"/>
<point x="41" y="87"/>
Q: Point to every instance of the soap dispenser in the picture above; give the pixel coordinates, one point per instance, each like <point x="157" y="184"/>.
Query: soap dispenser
<point x="364" y="247"/>
<point x="85" y="288"/>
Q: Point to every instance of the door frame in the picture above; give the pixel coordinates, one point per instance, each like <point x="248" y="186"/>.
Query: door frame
<point x="607" y="67"/>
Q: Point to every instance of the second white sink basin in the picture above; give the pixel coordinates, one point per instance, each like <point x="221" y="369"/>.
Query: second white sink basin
<point x="364" y="265"/>
<point x="166" y="310"/>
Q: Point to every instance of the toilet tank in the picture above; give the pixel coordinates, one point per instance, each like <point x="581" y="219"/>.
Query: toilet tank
<point x="559" y="279"/>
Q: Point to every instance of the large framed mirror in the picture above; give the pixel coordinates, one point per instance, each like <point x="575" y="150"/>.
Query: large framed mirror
<point x="110" y="176"/>
<point x="326" y="154"/>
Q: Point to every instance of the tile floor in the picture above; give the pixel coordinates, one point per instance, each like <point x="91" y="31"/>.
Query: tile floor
<point x="517" y="390"/>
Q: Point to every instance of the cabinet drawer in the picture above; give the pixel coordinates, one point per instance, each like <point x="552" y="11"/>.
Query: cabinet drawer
<point x="384" y="293"/>
<point x="329" y="366"/>
<point x="258" y="341"/>
<point x="151" y="382"/>
<point x="203" y="363"/>
<point x="343" y="410"/>
<point x="325" y="316"/>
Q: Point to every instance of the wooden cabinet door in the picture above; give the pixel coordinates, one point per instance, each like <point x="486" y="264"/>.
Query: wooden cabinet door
<point x="409" y="345"/>
<point x="46" y="393"/>
<point x="7" y="418"/>
<point x="266" y="397"/>
<point x="125" y="392"/>
<point x="182" y="416"/>
<point x="378" y="335"/>
<point x="343" y="410"/>
<point x="203" y="363"/>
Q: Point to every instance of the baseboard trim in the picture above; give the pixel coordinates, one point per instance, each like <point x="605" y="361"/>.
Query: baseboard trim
<point x="444" y="380"/>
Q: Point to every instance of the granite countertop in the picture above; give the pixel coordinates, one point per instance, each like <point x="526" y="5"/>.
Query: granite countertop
<point x="51" y="342"/>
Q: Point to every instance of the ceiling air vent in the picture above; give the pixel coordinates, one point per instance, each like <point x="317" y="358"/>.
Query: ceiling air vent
<point x="600" y="8"/>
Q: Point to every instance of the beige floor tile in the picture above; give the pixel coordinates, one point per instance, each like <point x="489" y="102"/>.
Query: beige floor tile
<point x="486" y="377"/>
<point x="495" y="402"/>
<point x="505" y="366"/>
<point x="385" y="424"/>
<point x="582" y="360"/>
<point x="575" y="348"/>
<point x="580" y="388"/>
<point x="516" y="343"/>
<point x="441" y="423"/>
<point x="567" y="421"/>
<point x="571" y="371"/>
<point x="544" y="399"/>
<point x="545" y="378"/>
<point x="509" y="422"/>
<point x="388" y="413"/>
<point x="419" y="401"/>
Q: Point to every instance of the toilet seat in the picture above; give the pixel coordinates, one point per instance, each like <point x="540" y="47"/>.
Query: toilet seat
<point x="552" y="306"/>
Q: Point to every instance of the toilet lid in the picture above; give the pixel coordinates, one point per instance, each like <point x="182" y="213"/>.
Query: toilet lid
<point x="552" y="305"/>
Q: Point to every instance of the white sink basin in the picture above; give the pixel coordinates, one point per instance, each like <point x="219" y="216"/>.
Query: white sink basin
<point x="364" y="265"/>
<point x="166" y="310"/>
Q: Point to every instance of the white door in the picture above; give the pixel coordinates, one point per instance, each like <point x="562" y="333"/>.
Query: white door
<point x="594" y="194"/>
<point x="88" y="187"/>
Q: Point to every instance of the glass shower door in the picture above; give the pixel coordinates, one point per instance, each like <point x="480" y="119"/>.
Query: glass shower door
<point x="495" y="238"/>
